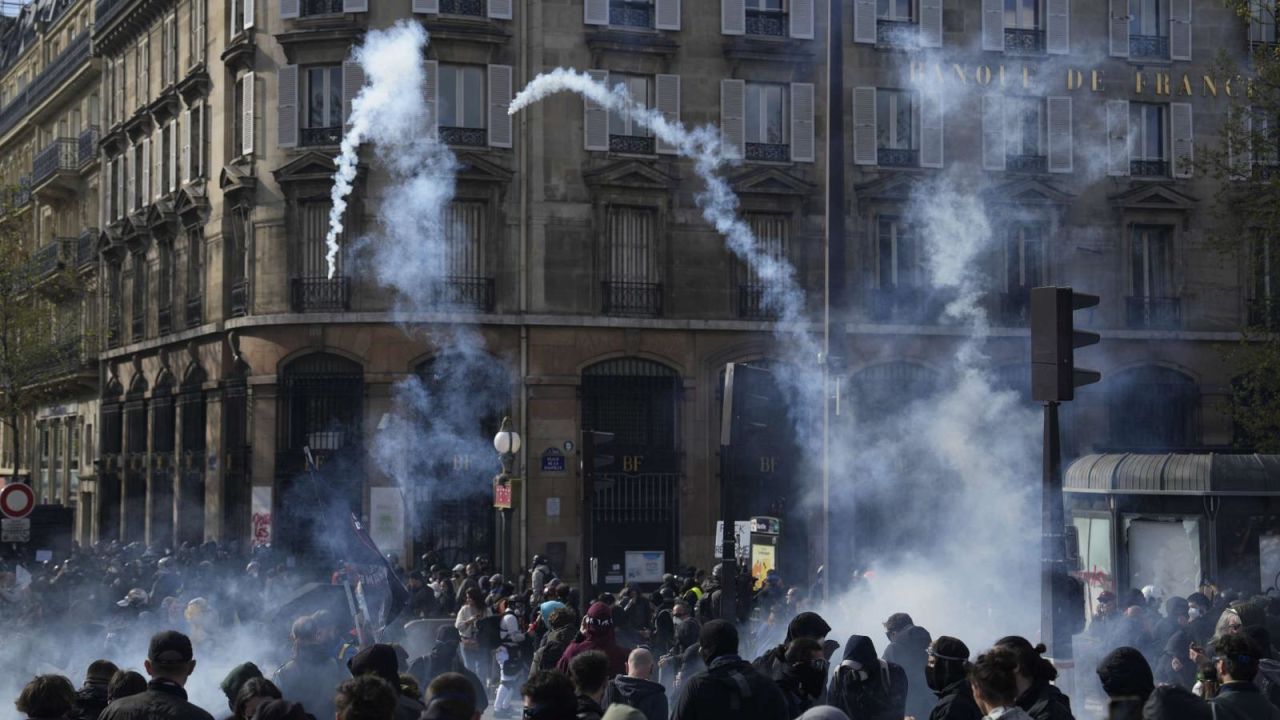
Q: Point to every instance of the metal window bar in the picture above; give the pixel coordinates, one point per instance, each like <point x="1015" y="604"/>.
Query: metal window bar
<point x="464" y="225"/>
<point x="61" y="154"/>
<point x="320" y="7"/>
<point x="471" y="8"/>
<point x="649" y="498"/>
<point x="771" y="23"/>
<point x="1023" y="41"/>
<point x="897" y="33"/>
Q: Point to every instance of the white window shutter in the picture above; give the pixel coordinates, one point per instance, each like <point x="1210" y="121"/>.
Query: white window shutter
<point x="145" y="191"/>
<point x="289" y="9"/>
<point x="249" y="11"/>
<point x="355" y="6"/>
<point x="1058" y="124"/>
<point x="864" y="21"/>
<point x="667" y="97"/>
<point x="201" y="138"/>
<point x="733" y="121"/>
<point x="801" y="16"/>
<point x="595" y="12"/>
<point x="1057" y="32"/>
<point x="129" y="188"/>
<point x="187" y="132"/>
<point x="993" y="25"/>
<point x="864" y="126"/>
<point x="246" y="140"/>
<point x="287" y="107"/>
<point x="352" y="82"/>
<point x="1184" y="154"/>
<point x="1118" y="137"/>
<point x="499" y="103"/>
<point x="122" y="204"/>
<point x="431" y="7"/>
<point x="500" y="9"/>
<point x="931" y="128"/>
<point x="931" y="23"/>
<point x="802" y="110"/>
<point x="733" y="17"/>
<point x="431" y="90"/>
<point x="1119" y="30"/>
<point x="1240" y="148"/>
<point x="158" y="157"/>
<point x="993" y="156"/>
<point x="666" y="14"/>
<point x="595" y="120"/>
<point x="1180" y="29"/>
<point x="173" y="155"/>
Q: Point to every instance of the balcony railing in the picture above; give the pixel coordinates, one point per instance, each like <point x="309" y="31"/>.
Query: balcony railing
<point x="321" y="136"/>
<point x="320" y="294"/>
<point x="768" y="152"/>
<point x="765" y="22"/>
<point x="320" y="7"/>
<point x="195" y="311"/>
<point x="47" y="259"/>
<point x="61" y="154"/>
<point x="1023" y="41"/>
<point x="632" y="298"/>
<point x="897" y="33"/>
<point x="897" y="157"/>
<point x="1154" y="313"/>
<point x="87" y="145"/>
<point x="164" y="319"/>
<point x="625" y="14"/>
<point x="68" y="357"/>
<point x="902" y="305"/>
<point x="1149" y="168"/>
<point x="1264" y="313"/>
<point x="1015" y="307"/>
<point x="1026" y="163"/>
<point x="20" y="195"/>
<point x="239" y="298"/>
<point x="465" y="293"/>
<point x="86" y="247"/>
<point x="469" y="137"/>
<point x="54" y="74"/>
<point x="631" y="144"/>
<point x="752" y="304"/>
<point x="472" y="8"/>
<point x="1149" y="46"/>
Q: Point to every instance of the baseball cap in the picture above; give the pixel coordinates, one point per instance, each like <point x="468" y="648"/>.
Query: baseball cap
<point x="170" y="648"/>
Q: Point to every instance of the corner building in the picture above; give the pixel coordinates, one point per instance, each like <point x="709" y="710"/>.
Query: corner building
<point x="583" y="260"/>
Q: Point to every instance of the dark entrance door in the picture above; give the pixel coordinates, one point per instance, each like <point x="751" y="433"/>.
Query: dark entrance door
<point x="191" y="406"/>
<point x="108" y="491"/>
<point x="162" y="443"/>
<point x="637" y="508"/>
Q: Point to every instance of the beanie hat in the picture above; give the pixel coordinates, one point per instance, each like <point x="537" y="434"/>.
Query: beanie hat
<point x="379" y="660"/>
<point x="1125" y="672"/>
<point x="236" y="679"/>
<point x="949" y="648"/>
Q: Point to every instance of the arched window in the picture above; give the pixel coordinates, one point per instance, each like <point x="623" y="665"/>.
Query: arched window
<point x="1153" y="408"/>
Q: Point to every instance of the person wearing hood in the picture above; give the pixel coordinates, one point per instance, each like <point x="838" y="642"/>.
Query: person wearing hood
<point x="597" y="634"/>
<point x="1237" y="666"/>
<point x="731" y="687"/>
<point x="947" y="674"/>
<point x="91" y="698"/>
<point x="909" y="648"/>
<point x="994" y="681"/>
<point x="381" y="661"/>
<point x="805" y="625"/>
<point x="1174" y="666"/>
<point x="1036" y="693"/>
<point x="444" y="657"/>
<point x="637" y="689"/>
<point x="804" y="676"/>
<point x="236" y="679"/>
<point x="312" y="673"/>
<point x="866" y="687"/>
<point x="1127" y="680"/>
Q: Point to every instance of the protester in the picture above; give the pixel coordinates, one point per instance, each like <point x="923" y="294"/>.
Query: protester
<point x="804" y="677"/>
<point x="1126" y="678"/>
<point x="805" y="625"/>
<point x="91" y="698"/>
<point x="125" y="683"/>
<point x="451" y="696"/>
<point x="564" y="629"/>
<point x="866" y="687"/>
<point x="589" y="672"/>
<point x="380" y="660"/>
<point x="468" y="623"/>
<point x="1170" y="702"/>
<point x="908" y="648"/>
<point x="1036" y="693"/>
<point x="1238" y="697"/>
<point x="994" y="682"/>
<point x="597" y="634"/>
<point x="170" y="662"/>
<point x="366" y="697"/>
<point x="549" y="695"/>
<point x="47" y="697"/>
<point x="446" y="657"/>
<point x="730" y="687"/>
<point x="947" y="674"/>
<point x="236" y="679"/>
<point x="252" y="694"/>
<point x="311" y="674"/>
<point x="637" y="689"/>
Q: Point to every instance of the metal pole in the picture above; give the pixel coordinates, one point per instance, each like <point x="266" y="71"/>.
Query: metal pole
<point x="834" y="335"/>
<point x="728" y="547"/>
<point x="1052" y="543"/>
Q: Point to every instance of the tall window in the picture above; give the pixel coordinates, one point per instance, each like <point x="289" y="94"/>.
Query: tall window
<point x="1024" y="257"/>
<point x="195" y="276"/>
<point x="1147" y="141"/>
<point x="640" y="88"/>
<point x="42" y="430"/>
<point x="631" y="264"/>
<point x="771" y="237"/>
<point x="464" y="230"/>
<point x="55" y="430"/>
<point x="139" y="296"/>
<point x="1152" y="260"/>
<point x="631" y="13"/>
<point x="1266" y="269"/>
<point x="1145" y="18"/>
<point x="1024" y="127"/>
<point x="896" y="123"/>
<point x="312" y="248"/>
<point x="73" y="460"/>
<point x="766" y="121"/>
<point x="897" y="261"/>
<point x="1022" y="14"/>
<point x="237" y="119"/>
<point x="462" y="101"/>
<point x="896" y="10"/>
<point x="324" y="106"/>
<point x="164" y="285"/>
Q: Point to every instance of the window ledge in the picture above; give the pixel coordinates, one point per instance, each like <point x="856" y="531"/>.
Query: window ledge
<point x="766" y="47"/>
<point x="643" y="41"/>
<point x="463" y="28"/>
<point x="339" y="36"/>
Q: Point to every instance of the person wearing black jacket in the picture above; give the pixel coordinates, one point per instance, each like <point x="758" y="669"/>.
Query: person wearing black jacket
<point x="91" y="698"/>
<point x="804" y="677"/>
<point x="170" y="662"/>
<point x="730" y="687"/>
<point x="381" y="661"/>
<point x="590" y="672"/>
<point x="804" y="625"/>
<point x="636" y="689"/>
<point x="445" y="657"/>
<point x="866" y="687"/>
<point x="909" y="648"/>
<point x="947" y="674"/>
<point x="1237" y="666"/>
<point x="1036" y="694"/>
<point x="1126" y="678"/>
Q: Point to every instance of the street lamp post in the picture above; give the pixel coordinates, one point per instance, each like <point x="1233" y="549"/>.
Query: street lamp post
<point x="507" y="443"/>
<point x="833" y="325"/>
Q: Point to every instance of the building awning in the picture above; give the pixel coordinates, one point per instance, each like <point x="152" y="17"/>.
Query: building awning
<point x="1175" y="474"/>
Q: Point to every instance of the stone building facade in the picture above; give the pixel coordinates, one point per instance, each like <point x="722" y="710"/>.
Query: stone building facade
<point x="585" y="263"/>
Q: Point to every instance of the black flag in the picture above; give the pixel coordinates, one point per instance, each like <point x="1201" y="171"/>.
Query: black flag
<point x="384" y="594"/>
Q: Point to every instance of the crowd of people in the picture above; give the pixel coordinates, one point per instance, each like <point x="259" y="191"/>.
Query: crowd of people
<point x="206" y="617"/>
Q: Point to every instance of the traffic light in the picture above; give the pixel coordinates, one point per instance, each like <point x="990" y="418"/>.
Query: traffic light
<point x="752" y="403"/>
<point x="592" y="459"/>
<point x="1054" y="375"/>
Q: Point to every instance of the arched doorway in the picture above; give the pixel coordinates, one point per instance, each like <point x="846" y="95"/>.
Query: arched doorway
<point x="1153" y="408"/>
<point x="135" y="464"/>
<point x="191" y="462"/>
<point x="321" y="409"/>
<point x="161" y="496"/>
<point x="637" y="503"/>
<point x="111" y="447"/>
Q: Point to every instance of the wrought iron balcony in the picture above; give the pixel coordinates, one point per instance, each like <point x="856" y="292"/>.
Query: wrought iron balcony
<point x="60" y="155"/>
<point x="1264" y="313"/>
<point x="320" y="136"/>
<point x="469" y="137"/>
<point x="138" y="326"/>
<point x="74" y="57"/>
<point x="240" y="298"/>
<point x="1149" y="168"/>
<point x="897" y="33"/>
<point x="1154" y="313"/>
<point x="632" y="144"/>
<point x="632" y="298"/>
<point x="897" y="157"/>
<point x="86" y="248"/>
<point x="195" y="311"/>
<point x="21" y="195"/>
<point x="87" y="145"/>
<point x="321" y="294"/>
<point x="1015" y="307"/>
<point x="164" y="319"/>
<point x="1023" y="41"/>
<point x="68" y="357"/>
<point x="465" y="293"/>
<point x="903" y="305"/>
<point x="752" y="304"/>
<point x="472" y="8"/>
<point x="768" y="152"/>
<point x="1026" y="163"/>
<point x="320" y="7"/>
<point x="1149" y="46"/>
<point x="48" y="259"/>
<point x="765" y="22"/>
<point x="630" y="14"/>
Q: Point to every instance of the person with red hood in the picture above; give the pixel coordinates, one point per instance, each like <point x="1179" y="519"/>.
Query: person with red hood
<point x="597" y="634"/>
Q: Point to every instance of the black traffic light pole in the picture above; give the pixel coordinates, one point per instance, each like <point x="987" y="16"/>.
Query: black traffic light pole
<point x="1052" y="544"/>
<point x="834" y="340"/>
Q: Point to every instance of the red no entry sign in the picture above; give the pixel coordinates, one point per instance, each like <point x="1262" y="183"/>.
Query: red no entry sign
<point x="16" y="500"/>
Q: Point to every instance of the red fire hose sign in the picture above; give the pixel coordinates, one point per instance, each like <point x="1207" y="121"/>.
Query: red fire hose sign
<point x="16" y="500"/>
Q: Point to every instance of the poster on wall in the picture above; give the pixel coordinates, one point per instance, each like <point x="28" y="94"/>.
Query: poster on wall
<point x="742" y="539"/>
<point x="646" y="566"/>
<point x="763" y="559"/>
<point x="386" y="518"/>
<point x="260" y="506"/>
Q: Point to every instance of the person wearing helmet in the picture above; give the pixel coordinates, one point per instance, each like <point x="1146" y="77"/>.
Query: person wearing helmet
<point x="512" y="655"/>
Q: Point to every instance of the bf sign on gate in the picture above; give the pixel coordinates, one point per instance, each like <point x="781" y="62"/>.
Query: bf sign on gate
<point x="16" y="500"/>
